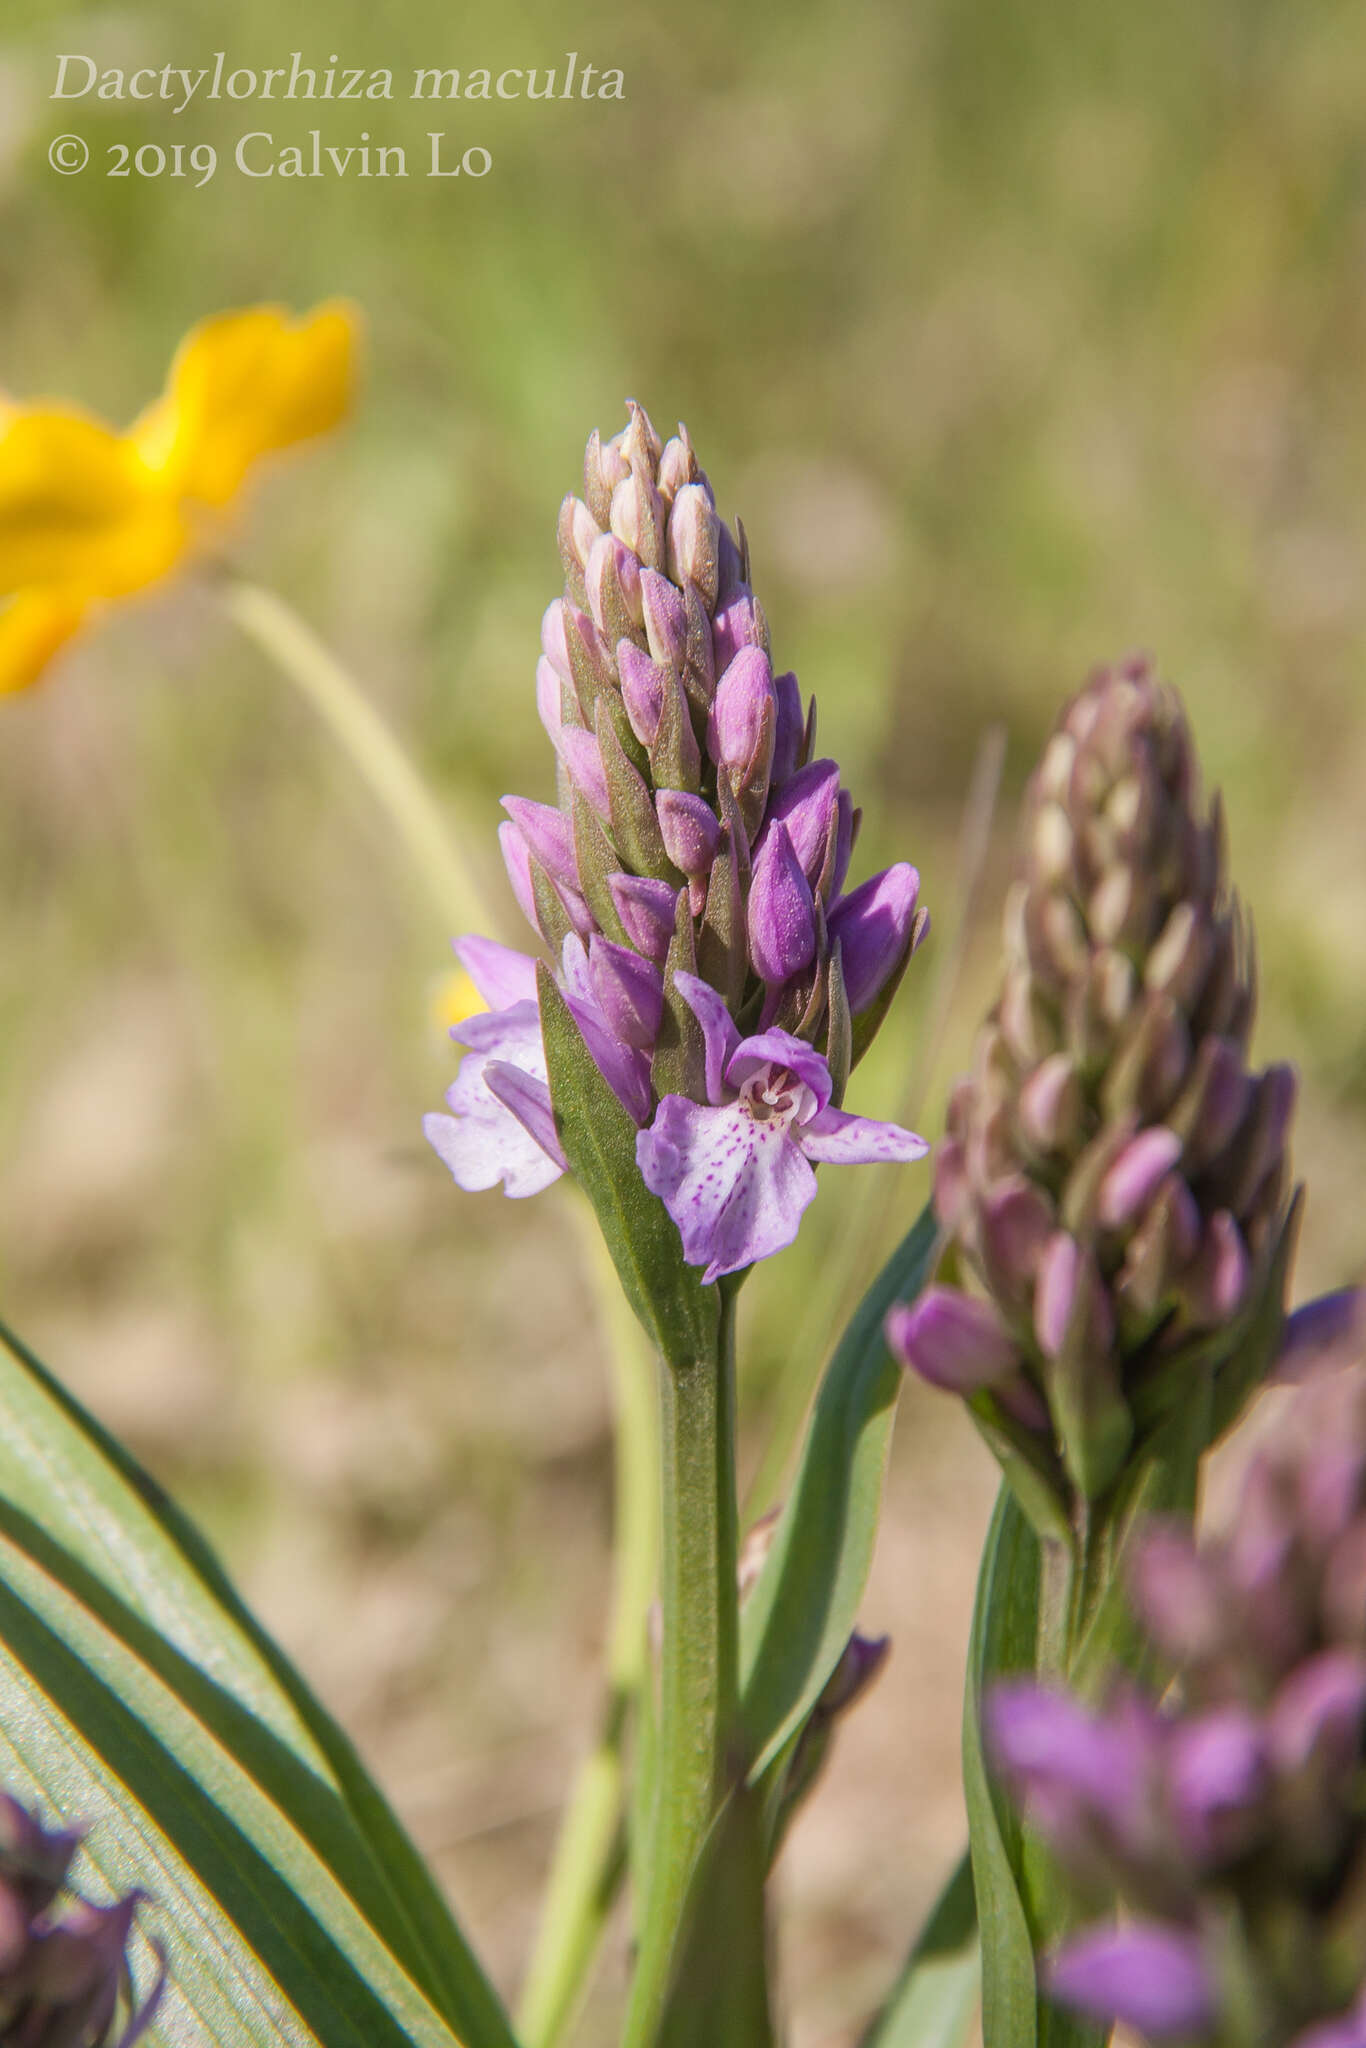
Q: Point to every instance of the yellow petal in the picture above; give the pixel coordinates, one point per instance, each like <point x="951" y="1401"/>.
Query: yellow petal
<point x="78" y="506"/>
<point x="244" y="384"/>
<point x="453" y="999"/>
<point x="33" y="627"/>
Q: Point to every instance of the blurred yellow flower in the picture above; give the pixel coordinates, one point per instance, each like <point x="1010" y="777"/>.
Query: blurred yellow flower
<point x="88" y="515"/>
<point x="454" y="1000"/>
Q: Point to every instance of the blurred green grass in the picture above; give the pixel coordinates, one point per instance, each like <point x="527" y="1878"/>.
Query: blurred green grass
<point x="1018" y="338"/>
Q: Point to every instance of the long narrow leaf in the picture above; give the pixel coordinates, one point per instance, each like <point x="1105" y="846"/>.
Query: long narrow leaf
<point x="798" y="1618"/>
<point x="137" y="1695"/>
<point x="1018" y="1896"/>
<point x="1004" y="1629"/>
<point x="936" y="1994"/>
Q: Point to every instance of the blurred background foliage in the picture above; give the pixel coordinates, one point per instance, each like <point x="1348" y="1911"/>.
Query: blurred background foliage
<point x="1019" y="337"/>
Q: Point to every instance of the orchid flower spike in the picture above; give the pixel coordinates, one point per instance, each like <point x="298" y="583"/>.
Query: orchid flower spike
<point x="688" y="885"/>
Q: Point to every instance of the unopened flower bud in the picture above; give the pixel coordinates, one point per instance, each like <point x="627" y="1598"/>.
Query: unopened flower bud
<point x="789" y="732"/>
<point x="953" y="1341"/>
<point x="738" y="625"/>
<point x="782" y="912"/>
<point x="629" y="989"/>
<point x="877" y="927"/>
<point x="612" y="581"/>
<point x="638" y="517"/>
<point x="692" y="832"/>
<point x="694" y="534"/>
<point x="678" y="466"/>
<point x="647" y="910"/>
<point x="642" y="691"/>
<point x="578" y="531"/>
<point x="744" y="707"/>
<point x="666" y="618"/>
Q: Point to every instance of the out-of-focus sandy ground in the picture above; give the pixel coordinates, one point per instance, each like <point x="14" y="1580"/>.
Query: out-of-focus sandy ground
<point x="1018" y="340"/>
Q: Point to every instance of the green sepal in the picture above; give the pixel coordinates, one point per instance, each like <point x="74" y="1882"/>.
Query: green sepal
<point x="635" y="827"/>
<point x="839" y="1029"/>
<point x="591" y="681"/>
<point x="596" y="858"/>
<point x="679" y="1064"/>
<point x="675" y="757"/>
<point x="699" y="677"/>
<point x="1164" y="1481"/>
<point x="1029" y="1466"/>
<point x="551" y="915"/>
<point x="678" y="1313"/>
<point x="722" y="950"/>
<point x="617" y="623"/>
<point x="1086" y="1401"/>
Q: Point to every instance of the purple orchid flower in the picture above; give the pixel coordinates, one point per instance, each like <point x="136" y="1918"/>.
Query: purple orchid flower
<point x="1147" y="1976"/>
<point x="692" y="835"/>
<point x="735" y="1172"/>
<point x="501" y="1127"/>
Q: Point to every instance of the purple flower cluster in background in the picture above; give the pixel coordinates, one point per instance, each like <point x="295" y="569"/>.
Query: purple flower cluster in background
<point x="62" y="1967"/>
<point x="689" y="882"/>
<point x="1229" y="1821"/>
<point x="1114" y="1173"/>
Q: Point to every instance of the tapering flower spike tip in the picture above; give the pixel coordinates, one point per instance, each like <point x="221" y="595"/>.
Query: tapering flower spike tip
<point x="1114" y="1174"/>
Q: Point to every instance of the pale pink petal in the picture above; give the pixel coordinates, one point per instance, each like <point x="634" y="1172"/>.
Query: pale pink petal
<point x="501" y="975"/>
<point x="735" y="1188"/>
<point x="484" y="1140"/>
<point x="846" y="1140"/>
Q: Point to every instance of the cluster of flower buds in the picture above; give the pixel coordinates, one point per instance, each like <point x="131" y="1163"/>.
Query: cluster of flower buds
<point x="689" y="879"/>
<point x="1231" y="1821"/>
<point x="63" y="1976"/>
<point x="1114" y="1173"/>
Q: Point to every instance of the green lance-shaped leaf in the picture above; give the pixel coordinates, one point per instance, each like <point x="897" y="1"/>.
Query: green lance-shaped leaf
<point x="799" y="1617"/>
<point x="718" y="1993"/>
<point x="933" y="2001"/>
<point x="599" y="1139"/>
<point x="1004" y="1633"/>
<point x="1019" y="1905"/>
<point x="138" y="1697"/>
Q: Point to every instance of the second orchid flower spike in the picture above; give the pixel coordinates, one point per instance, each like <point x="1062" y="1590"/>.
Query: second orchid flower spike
<point x="1114" y="1177"/>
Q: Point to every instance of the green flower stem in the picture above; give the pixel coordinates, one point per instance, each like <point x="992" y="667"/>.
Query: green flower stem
<point x="699" y="1708"/>
<point x="298" y="653"/>
<point x="590" y="1857"/>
